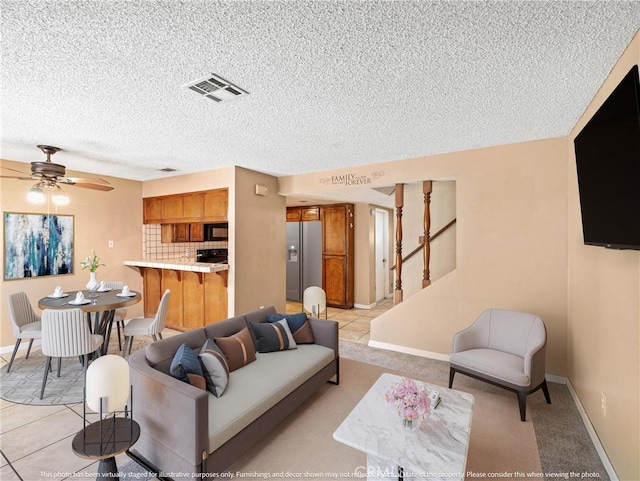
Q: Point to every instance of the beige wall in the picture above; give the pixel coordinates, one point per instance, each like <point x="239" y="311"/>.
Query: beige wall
<point x="364" y="256"/>
<point x="260" y="243"/>
<point x="604" y="317"/>
<point x="98" y="218"/>
<point x="511" y="243"/>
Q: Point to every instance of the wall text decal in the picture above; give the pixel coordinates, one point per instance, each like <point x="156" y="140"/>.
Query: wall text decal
<point x="350" y="179"/>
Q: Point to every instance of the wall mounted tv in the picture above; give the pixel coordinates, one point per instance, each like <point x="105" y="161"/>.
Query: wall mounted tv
<point x="608" y="164"/>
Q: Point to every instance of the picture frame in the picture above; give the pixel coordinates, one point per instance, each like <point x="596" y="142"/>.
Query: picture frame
<point x="37" y="245"/>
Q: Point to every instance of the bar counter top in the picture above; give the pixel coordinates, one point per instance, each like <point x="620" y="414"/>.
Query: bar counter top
<point x="179" y="265"/>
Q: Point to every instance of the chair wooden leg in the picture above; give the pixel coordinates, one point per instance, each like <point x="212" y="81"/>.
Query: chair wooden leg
<point x="29" y="348"/>
<point x="13" y="356"/>
<point x="545" y="390"/>
<point x="154" y="337"/>
<point x="47" y="367"/>
<point x="160" y="335"/>
<point x="452" y="373"/>
<point x="522" y="403"/>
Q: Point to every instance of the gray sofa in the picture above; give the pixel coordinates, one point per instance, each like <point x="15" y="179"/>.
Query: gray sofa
<point x="187" y="430"/>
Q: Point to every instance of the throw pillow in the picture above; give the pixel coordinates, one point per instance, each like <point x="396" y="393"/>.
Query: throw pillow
<point x="299" y="326"/>
<point x="185" y="362"/>
<point x="215" y="368"/>
<point x="238" y="349"/>
<point x="272" y="336"/>
<point x="197" y="381"/>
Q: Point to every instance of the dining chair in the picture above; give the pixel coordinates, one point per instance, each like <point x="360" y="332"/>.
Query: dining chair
<point x="26" y="324"/>
<point x="120" y="313"/>
<point x="66" y="333"/>
<point x="314" y="301"/>
<point x="146" y="326"/>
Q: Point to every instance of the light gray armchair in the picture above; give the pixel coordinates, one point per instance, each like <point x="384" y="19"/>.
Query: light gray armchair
<point x="504" y="348"/>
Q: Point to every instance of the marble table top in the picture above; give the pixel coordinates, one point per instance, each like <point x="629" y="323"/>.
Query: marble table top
<point x="439" y="447"/>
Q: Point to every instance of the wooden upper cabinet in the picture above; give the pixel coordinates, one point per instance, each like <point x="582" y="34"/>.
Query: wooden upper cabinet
<point x="196" y="232"/>
<point x="310" y="213"/>
<point x="193" y="206"/>
<point x="297" y="214"/>
<point x="172" y="208"/>
<point x="294" y="214"/>
<point x="216" y="205"/>
<point x="152" y="210"/>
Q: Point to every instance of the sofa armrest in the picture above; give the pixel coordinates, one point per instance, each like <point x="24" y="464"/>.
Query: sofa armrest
<point x="325" y="333"/>
<point x="172" y="413"/>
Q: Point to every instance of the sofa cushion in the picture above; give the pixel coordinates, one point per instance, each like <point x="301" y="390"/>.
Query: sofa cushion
<point x="185" y="362"/>
<point x="260" y="315"/>
<point x="502" y="366"/>
<point x="298" y="324"/>
<point x="238" y="349"/>
<point x="256" y="388"/>
<point x="215" y="368"/>
<point x="272" y="336"/>
<point x="225" y="328"/>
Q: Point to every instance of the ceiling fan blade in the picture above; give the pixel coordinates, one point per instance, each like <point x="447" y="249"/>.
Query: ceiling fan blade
<point x="83" y="180"/>
<point x="16" y="177"/>
<point x="17" y="171"/>
<point x="104" y="188"/>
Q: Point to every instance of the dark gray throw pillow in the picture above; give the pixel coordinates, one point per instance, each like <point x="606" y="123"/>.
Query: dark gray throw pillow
<point x="298" y="325"/>
<point x="272" y="336"/>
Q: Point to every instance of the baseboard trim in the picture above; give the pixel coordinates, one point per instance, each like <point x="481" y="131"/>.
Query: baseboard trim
<point x="23" y="346"/>
<point x="409" y="350"/>
<point x="592" y="434"/>
<point x="364" y="306"/>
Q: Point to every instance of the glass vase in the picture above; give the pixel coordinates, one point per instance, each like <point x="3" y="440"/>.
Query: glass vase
<point x="411" y="424"/>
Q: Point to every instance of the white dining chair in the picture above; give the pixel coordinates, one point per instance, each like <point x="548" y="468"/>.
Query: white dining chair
<point x="314" y="301"/>
<point x="66" y="333"/>
<point x="25" y="323"/>
<point x="120" y="313"/>
<point x="146" y="326"/>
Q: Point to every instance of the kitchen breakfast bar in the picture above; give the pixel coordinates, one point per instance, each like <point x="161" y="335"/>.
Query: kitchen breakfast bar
<point x="198" y="291"/>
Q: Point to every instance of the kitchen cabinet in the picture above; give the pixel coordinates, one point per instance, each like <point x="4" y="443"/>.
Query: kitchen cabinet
<point x="152" y="210"/>
<point x="181" y="233"/>
<point x="337" y="254"/>
<point x="294" y="214"/>
<point x="301" y="214"/>
<point x="192" y="207"/>
<point x="216" y="205"/>
<point x="197" y="299"/>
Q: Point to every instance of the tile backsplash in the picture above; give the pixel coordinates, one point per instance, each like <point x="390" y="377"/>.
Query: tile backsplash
<point x="154" y="249"/>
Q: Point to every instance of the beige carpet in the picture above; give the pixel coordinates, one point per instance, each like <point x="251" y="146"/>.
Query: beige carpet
<point x="303" y="447"/>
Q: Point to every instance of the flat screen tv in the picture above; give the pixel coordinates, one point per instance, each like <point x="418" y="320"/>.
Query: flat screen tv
<point x="608" y="164"/>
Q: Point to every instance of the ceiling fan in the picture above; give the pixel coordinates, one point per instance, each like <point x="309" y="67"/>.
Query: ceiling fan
<point x="52" y="175"/>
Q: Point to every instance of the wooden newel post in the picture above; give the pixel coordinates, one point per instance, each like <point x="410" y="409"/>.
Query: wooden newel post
<point x="426" y="246"/>
<point x="399" y="204"/>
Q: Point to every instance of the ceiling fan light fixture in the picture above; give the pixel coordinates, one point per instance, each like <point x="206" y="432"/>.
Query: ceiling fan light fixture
<point x="36" y="195"/>
<point x="59" y="196"/>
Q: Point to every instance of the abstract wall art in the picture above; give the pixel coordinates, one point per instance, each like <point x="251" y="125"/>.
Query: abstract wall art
<point x="37" y="245"/>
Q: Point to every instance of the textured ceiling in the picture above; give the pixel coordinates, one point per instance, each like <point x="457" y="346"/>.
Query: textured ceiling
<point x="331" y="84"/>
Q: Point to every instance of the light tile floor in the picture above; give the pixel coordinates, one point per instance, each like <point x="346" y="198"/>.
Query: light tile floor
<point x="35" y="441"/>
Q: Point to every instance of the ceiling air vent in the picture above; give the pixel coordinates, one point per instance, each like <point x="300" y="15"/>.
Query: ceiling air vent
<point x="216" y="88"/>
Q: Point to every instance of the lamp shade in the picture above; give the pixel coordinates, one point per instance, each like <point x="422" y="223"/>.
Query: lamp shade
<point x="36" y="195"/>
<point x="108" y="378"/>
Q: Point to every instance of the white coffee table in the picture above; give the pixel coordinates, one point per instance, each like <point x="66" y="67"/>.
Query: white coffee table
<point x="437" y="450"/>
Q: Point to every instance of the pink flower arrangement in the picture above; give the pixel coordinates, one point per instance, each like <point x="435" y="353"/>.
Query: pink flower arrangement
<point x="411" y="400"/>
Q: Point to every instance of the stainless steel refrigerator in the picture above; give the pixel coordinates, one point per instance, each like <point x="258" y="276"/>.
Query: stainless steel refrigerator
<point x="304" y="257"/>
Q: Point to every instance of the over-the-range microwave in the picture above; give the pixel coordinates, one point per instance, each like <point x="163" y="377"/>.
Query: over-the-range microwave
<point x="216" y="232"/>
